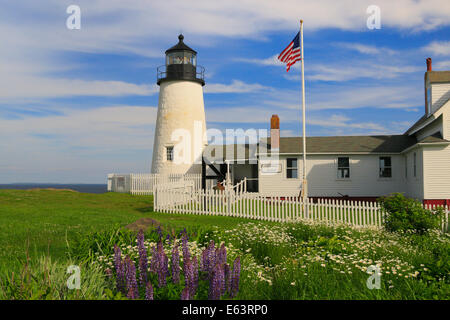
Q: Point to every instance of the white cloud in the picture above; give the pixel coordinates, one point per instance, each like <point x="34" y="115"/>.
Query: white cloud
<point x="343" y="97"/>
<point x="271" y="61"/>
<point x="366" y="49"/>
<point x="236" y="86"/>
<point x="77" y="146"/>
<point x="439" y="48"/>
<point x="16" y="87"/>
<point x="357" y="70"/>
<point x="339" y="121"/>
<point x="442" y="65"/>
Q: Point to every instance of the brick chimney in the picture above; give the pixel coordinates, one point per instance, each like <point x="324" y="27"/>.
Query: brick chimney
<point x="428" y="64"/>
<point x="275" y="133"/>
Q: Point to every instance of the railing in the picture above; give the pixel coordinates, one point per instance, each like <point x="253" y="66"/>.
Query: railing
<point x="144" y="183"/>
<point x="279" y="209"/>
<point x="161" y="73"/>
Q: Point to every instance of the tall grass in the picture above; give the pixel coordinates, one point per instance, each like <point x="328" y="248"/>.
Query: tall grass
<point x="44" y="279"/>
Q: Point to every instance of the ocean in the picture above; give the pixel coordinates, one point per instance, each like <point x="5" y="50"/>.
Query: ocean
<point x="87" y="188"/>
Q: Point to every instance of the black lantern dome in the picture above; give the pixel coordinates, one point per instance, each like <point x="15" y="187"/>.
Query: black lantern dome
<point x="181" y="64"/>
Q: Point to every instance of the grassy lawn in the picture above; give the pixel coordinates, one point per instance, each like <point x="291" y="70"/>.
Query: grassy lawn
<point x="46" y="218"/>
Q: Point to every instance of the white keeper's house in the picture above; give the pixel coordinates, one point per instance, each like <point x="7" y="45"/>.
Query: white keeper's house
<point x="416" y="163"/>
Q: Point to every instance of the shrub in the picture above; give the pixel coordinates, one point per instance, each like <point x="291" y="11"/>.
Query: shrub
<point x="403" y="214"/>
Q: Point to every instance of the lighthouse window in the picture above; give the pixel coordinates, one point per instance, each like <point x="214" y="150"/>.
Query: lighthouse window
<point x="169" y="153"/>
<point x="181" y="58"/>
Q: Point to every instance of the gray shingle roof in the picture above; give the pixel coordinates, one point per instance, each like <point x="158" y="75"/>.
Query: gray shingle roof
<point x="418" y="123"/>
<point x="348" y="144"/>
<point x="438" y="76"/>
<point x="435" y="138"/>
<point x="341" y="144"/>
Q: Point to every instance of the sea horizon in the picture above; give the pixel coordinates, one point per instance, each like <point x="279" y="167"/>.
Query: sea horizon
<point x="80" y="187"/>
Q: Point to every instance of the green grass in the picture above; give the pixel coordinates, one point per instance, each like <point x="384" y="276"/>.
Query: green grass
<point x="47" y="218"/>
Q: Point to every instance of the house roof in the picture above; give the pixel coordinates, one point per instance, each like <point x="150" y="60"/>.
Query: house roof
<point x="435" y="138"/>
<point x="438" y="76"/>
<point x="419" y="123"/>
<point x="339" y="144"/>
<point x="348" y="144"/>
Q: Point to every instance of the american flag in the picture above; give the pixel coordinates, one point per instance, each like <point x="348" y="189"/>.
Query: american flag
<point x="292" y="53"/>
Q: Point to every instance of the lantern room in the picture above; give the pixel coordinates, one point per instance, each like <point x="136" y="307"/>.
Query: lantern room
<point x="181" y="64"/>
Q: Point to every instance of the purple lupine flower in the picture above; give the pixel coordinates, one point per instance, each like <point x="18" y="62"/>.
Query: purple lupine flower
<point x="227" y="274"/>
<point x="211" y="257"/>
<point x="189" y="278"/>
<point x="216" y="283"/>
<point x="154" y="261"/>
<point x="185" y="294"/>
<point x="205" y="260"/>
<point x="194" y="275"/>
<point x="120" y="269"/>
<point x="222" y="254"/>
<point x="140" y="240"/>
<point x="159" y="232"/>
<point x="148" y="291"/>
<point x="143" y="260"/>
<point x="212" y="253"/>
<point x="186" y="253"/>
<point x="175" y="264"/>
<point x="132" y="288"/>
<point x="117" y="256"/>
<point x="235" y="277"/>
<point x="162" y="268"/>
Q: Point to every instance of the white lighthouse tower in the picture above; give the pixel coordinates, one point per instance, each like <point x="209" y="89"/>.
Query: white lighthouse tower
<point x="180" y="133"/>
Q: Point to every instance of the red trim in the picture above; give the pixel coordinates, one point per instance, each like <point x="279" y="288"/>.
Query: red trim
<point x="368" y="199"/>
<point x="437" y="202"/>
<point x="315" y="199"/>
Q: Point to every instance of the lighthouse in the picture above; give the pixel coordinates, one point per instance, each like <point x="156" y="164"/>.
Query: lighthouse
<point x="180" y="133"/>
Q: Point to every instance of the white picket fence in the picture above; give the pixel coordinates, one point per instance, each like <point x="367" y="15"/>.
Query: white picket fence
<point x="144" y="183"/>
<point x="279" y="209"/>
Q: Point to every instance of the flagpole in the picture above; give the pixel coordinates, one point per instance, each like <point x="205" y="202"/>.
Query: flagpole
<point x="304" y="183"/>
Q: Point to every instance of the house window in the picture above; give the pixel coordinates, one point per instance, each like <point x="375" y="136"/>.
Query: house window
<point x="343" y="168"/>
<point x="415" y="165"/>
<point x="406" y="166"/>
<point x="385" y="167"/>
<point x="169" y="153"/>
<point x="291" y="168"/>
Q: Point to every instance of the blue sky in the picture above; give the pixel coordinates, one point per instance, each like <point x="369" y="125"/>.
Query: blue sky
<point x="78" y="104"/>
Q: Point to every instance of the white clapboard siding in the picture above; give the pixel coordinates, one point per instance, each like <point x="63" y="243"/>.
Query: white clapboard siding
<point x="183" y="197"/>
